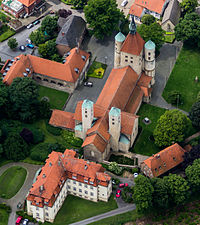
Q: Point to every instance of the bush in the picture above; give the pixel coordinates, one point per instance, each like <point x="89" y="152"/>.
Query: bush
<point x="53" y="130"/>
<point x="6" y="207"/>
<point x="135" y="170"/>
<point x="121" y="160"/>
<point x="38" y="135"/>
<point x="70" y="138"/>
<point x="113" y="167"/>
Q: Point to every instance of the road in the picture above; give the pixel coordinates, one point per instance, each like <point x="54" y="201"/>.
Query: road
<point x="21" y="194"/>
<point x="106" y="215"/>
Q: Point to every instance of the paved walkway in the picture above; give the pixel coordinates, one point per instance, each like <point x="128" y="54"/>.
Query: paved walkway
<point x="106" y="215"/>
<point x="21" y="194"/>
<point x="192" y="137"/>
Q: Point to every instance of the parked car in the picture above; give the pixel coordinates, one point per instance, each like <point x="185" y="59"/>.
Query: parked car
<point x="135" y="175"/>
<point x="30" y="46"/>
<point x="30" y="26"/>
<point x="146" y="120"/>
<point x="22" y="48"/>
<point x="124" y="3"/>
<point x="19" y="205"/>
<point x="121" y="185"/>
<point x="19" y="219"/>
<point x="25" y="222"/>
<point x="118" y="194"/>
<point x="88" y="84"/>
<point x="126" y="184"/>
<point x="36" y="22"/>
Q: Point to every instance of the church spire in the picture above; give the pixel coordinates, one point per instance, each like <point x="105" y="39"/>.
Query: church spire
<point x="132" y="25"/>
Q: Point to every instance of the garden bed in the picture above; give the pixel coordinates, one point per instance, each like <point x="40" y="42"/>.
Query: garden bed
<point x="169" y="37"/>
<point x="5" y="33"/>
<point x="121" y="160"/>
<point x="97" y="70"/>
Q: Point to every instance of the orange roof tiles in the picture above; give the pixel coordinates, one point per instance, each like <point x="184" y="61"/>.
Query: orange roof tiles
<point x="127" y="122"/>
<point x="65" y="72"/>
<point x="133" y="44"/>
<point x="152" y="5"/>
<point x="118" y="88"/>
<point x="60" y="166"/>
<point x="165" y="160"/>
<point x="27" y="3"/>
<point x="136" y="10"/>
<point x="62" y="119"/>
<point x="144" y="80"/>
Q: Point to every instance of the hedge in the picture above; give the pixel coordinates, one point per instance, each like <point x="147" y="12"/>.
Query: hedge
<point x="56" y="131"/>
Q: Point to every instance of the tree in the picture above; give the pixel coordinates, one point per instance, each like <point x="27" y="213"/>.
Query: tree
<point x="143" y="193"/>
<point x="188" y="29"/>
<point x="37" y="37"/>
<point x="193" y="175"/>
<point x="189" y="6"/>
<point x="148" y="19"/>
<point x="49" y="25"/>
<point x="12" y="43"/>
<point x="178" y="188"/>
<point x="160" y="195"/>
<point x="102" y="16"/>
<point x="48" y="49"/>
<point x="170" y="128"/>
<point x="194" y="114"/>
<point x="190" y="156"/>
<point x="79" y="4"/>
<point x="152" y="32"/>
<point x="1" y="150"/>
<point x="4" y="100"/>
<point x="15" y="147"/>
<point x="64" y="13"/>
<point x="24" y="94"/>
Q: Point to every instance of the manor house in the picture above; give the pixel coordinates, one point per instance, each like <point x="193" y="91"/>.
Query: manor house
<point x="111" y="123"/>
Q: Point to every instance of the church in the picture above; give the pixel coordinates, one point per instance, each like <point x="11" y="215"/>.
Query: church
<point x="111" y="124"/>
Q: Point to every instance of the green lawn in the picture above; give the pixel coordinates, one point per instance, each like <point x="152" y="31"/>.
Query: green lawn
<point x="169" y="37"/>
<point x="75" y="209"/>
<point x="5" y="33"/>
<point x="3" y="217"/>
<point x="57" y="98"/>
<point x="11" y="181"/>
<point x="96" y="70"/>
<point x="182" y="78"/>
<point x="143" y="144"/>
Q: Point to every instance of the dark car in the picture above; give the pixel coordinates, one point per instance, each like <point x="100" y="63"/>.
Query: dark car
<point x="22" y="48"/>
<point x="30" y="46"/>
<point x="36" y="22"/>
<point x="88" y="84"/>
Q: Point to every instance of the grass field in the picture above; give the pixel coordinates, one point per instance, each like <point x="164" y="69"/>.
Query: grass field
<point x="11" y="181"/>
<point x="96" y="70"/>
<point x="143" y="144"/>
<point x="57" y="98"/>
<point x="3" y="217"/>
<point x="182" y="78"/>
<point x="75" y="209"/>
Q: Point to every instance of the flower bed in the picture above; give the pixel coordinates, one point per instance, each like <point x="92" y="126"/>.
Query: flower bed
<point x="97" y="70"/>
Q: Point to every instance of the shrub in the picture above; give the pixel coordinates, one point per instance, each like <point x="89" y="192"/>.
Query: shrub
<point x="38" y="135"/>
<point x="53" y="130"/>
<point x="175" y="97"/>
<point x="6" y="207"/>
<point x="121" y="160"/>
<point x="135" y="170"/>
<point x="113" y="167"/>
<point x="70" y="138"/>
<point x="25" y="216"/>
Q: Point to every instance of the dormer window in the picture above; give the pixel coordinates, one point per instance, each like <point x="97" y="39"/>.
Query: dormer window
<point x="85" y="180"/>
<point x="159" y="167"/>
<point x="25" y="74"/>
<point x="83" y="57"/>
<point x="68" y="53"/>
<point x="156" y="169"/>
<point x="174" y="158"/>
<point x="74" y="177"/>
<point x="91" y="182"/>
<point x="76" y="70"/>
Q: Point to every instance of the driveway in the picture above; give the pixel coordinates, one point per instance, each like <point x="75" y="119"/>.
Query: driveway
<point x="102" y="51"/>
<point x="22" y="193"/>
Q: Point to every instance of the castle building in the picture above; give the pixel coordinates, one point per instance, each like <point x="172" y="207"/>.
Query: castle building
<point x="61" y="76"/>
<point x="65" y="174"/>
<point x="111" y="124"/>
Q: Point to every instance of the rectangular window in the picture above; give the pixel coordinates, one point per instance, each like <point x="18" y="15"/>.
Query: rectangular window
<point x="86" y="186"/>
<point x="149" y="58"/>
<point x="91" y="187"/>
<point x="131" y="61"/>
<point x="86" y="192"/>
<point x="80" y="184"/>
<point x="47" y="214"/>
<point x="126" y="60"/>
<point x="74" y="177"/>
<point x="37" y="214"/>
<point x="74" y="188"/>
<point x="74" y="182"/>
<point x="37" y="208"/>
<point x="91" y="193"/>
<point x="80" y="190"/>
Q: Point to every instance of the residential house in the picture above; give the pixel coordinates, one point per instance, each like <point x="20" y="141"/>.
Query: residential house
<point x="65" y="174"/>
<point x="61" y="76"/>
<point x="163" y="161"/>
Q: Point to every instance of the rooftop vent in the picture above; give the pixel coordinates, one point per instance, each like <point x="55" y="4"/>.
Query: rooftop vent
<point x="28" y="70"/>
<point x="83" y="57"/>
<point x="68" y="53"/>
<point x="76" y="70"/>
<point x="43" y="176"/>
<point x="86" y="167"/>
<point x="25" y="74"/>
<point x="50" y="164"/>
<point x="4" y="74"/>
<point x="42" y="188"/>
<point x="158" y="156"/>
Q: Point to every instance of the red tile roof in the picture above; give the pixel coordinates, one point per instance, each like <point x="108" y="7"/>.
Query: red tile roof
<point x="136" y="10"/>
<point x="127" y="122"/>
<point x="27" y="3"/>
<point x="62" y="119"/>
<point x="65" y="72"/>
<point x="165" y="160"/>
<point x="133" y="44"/>
<point x="57" y="169"/>
<point x="152" y="5"/>
<point x="144" y="80"/>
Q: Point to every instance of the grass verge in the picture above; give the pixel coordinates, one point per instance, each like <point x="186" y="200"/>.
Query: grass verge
<point x="75" y="209"/>
<point x="182" y="78"/>
<point x="11" y="181"/>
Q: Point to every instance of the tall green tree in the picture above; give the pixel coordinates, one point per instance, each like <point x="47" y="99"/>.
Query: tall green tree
<point x="48" y="49"/>
<point x="79" y="4"/>
<point x="178" y="189"/>
<point x="188" y="29"/>
<point x="193" y="175"/>
<point x="143" y="193"/>
<point x="160" y="194"/>
<point x="152" y="32"/>
<point x="12" y="43"/>
<point x="189" y="6"/>
<point x="148" y="19"/>
<point x="102" y="16"/>
<point x="171" y="127"/>
<point x="15" y="147"/>
<point x="194" y="114"/>
<point x="24" y="94"/>
<point x="37" y="37"/>
<point x="190" y="156"/>
<point x="4" y="100"/>
<point x="49" y="25"/>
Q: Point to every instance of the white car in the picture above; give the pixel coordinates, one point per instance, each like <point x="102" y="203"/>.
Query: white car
<point x="30" y="26"/>
<point x="135" y="175"/>
<point x="124" y="3"/>
<point x="25" y="222"/>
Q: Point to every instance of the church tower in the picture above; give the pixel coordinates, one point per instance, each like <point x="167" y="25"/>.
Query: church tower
<point x="149" y="60"/>
<point x="87" y="115"/>
<point x="119" y="39"/>
<point x="114" y="127"/>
